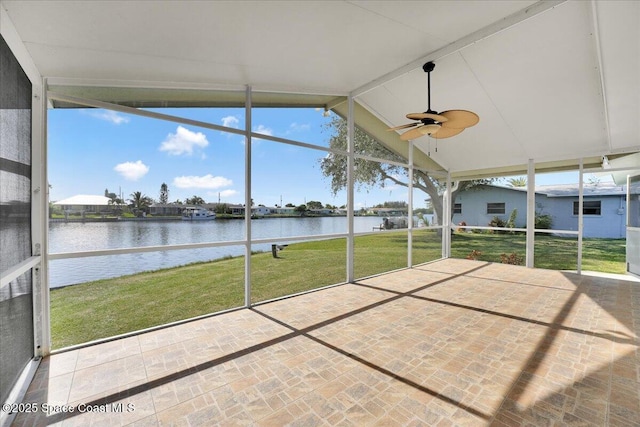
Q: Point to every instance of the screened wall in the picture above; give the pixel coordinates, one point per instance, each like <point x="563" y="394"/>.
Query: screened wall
<point x="239" y="268"/>
<point x="16" y="306"/>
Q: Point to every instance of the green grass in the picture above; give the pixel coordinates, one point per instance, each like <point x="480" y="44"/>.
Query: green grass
<point x="109" y="307"/>
<point x="557" y="253"/>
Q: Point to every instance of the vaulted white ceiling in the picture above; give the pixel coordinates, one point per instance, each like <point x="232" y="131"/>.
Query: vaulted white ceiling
<point x="551" y="81"/>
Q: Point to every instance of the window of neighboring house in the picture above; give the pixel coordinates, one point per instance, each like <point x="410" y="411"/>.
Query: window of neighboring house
<point x="457" y="208"/>
<point x="495" y="208"/>
<point x="588" y="208"/>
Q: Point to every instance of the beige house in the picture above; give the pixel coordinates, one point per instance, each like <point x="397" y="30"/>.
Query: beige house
<point x="85" y="203"/>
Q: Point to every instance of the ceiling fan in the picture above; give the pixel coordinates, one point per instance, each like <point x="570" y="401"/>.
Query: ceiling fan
<point x="436" y="125"/>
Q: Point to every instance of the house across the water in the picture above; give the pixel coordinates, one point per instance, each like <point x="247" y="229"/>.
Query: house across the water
<point x="603" y="208"/>
<point x="85" y="203"/>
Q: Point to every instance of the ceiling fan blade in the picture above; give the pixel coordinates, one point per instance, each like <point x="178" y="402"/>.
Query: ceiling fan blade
<point x="408" y="125"/>
<point x="412" y="134"/>
<point x="444" y="132"/>
<point x="460" y="119"/>
<point x="419" y="116"/>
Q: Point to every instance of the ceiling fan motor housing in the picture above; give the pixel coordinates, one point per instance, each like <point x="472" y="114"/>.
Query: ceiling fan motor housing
<point x="428" y="67"/>
<point x="429" y="121"/>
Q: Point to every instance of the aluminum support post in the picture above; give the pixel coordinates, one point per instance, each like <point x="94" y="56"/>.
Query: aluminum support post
<point x="446" y="219"/>
<point x="350" y="190"/>
<point x="410" y="209"/>
<point x="40" y="222"/>
<point x="531" y="213"/>
<point x="580" y="216"/>
<point x="247" y="199"/>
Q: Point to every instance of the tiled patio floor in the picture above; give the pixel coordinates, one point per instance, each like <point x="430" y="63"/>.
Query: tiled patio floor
<point x="455" y="342"/>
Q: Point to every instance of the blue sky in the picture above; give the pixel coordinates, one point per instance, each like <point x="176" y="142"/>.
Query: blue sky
<point x="91" y="150"/>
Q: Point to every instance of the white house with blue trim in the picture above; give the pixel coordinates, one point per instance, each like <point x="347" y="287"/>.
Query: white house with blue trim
<point x="604" y="209"/>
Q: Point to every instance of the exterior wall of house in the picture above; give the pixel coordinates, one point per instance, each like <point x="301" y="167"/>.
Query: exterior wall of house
<point x="166" y="209"/>
<point x="285" y="211"/>
<point x="321" y="211"/>
<point x="86" y="208"/>
<point x="609" y="224"/>
<point x="260" y="210"/>
<point x="474" y="205"/>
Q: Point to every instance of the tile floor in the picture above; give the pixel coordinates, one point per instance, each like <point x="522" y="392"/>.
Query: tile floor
<point x="454" y="342"/>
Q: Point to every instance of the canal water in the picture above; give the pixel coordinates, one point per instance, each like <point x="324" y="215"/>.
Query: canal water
<point x="88" y="236"/>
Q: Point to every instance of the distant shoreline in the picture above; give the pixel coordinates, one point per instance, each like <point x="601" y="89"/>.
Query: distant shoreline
<point x="177" y="218"/>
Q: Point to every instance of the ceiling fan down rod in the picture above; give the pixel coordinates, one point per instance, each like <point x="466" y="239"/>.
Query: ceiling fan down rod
<point x="428" y="68"/>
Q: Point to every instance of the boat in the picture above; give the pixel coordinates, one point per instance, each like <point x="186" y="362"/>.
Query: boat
<point x="392" y="222"/>
<point x="197" y="214"/>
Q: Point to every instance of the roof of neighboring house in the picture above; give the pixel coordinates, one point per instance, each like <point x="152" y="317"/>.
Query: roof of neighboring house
<point x="571" y="190"/>
<point x="84" y="200"/>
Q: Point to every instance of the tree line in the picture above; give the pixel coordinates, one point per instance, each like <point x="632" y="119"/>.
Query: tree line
<point x="139" y="202"/>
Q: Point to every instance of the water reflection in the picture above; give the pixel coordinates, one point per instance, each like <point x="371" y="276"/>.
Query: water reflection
<point x="78" y="236"/>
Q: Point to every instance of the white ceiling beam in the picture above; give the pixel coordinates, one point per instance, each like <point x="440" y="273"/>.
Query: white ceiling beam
<point x="11" y="36"/>
<point x="481" y="34"/>
<point x="598" y="49"/>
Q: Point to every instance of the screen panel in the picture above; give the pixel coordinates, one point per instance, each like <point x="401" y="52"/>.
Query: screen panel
<point x="16" y="307"/>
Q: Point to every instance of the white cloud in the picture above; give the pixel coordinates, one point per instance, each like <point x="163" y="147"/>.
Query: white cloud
<point x="298" y="127"/>
<point x="132" y="171"/>
<point x="263" y="130"/>
<point x="109" y="116"/>
<point x="228" y="193"/>
<point x="230" y="122"/>
<point x="208" y="182"/>
<point x="183" y="142"/>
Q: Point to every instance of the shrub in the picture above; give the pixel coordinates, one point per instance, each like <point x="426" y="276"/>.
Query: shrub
<point x="473" y="255"/>
<point x="513" y="259"/>
<point x="497" y="222"/>
<point x="543" y="222"/>
<point x="511" y="223"/>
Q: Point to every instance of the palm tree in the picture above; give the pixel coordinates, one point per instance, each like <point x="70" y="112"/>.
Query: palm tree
<point x="195" y="200"/>
<point x="117" y="204"/>
<point x="520" y="181"/>
<point x="139" y="201"/>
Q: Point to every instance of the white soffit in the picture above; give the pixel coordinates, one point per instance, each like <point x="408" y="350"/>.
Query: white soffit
<point x="619" y="35"/>
<point x="328" y="47"/>
<point x="543" y="77"/>
<point x="536" y="87"/>
<point x="442" y="20"/>
<point x="163" y="97"/>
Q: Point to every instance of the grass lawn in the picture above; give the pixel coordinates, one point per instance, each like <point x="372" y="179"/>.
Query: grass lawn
<point x="556" y="253"/>
<point x="109" y="307"/>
